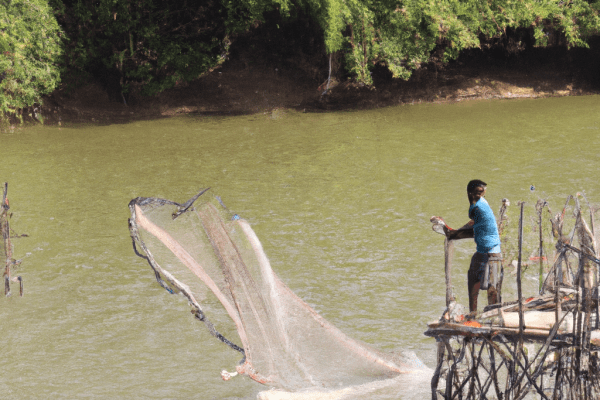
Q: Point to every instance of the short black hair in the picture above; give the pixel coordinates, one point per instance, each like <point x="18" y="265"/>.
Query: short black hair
<point x="475" y="183"/>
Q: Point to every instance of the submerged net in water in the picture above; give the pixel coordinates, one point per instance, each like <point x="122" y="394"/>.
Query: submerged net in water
<point x="199" y="248"/>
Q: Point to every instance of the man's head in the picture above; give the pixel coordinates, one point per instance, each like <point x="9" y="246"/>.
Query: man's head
<point x="476" y="190"/>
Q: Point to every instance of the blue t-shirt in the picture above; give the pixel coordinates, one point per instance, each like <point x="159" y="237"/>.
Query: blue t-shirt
<point x="485" y="229"/>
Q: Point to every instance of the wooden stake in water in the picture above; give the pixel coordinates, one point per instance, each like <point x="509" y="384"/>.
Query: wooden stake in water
<point x="7" y="253"/>
<point x="541" y="208"/>
<point x="519" y="293"/>
<point x="6" y="248"/>
<point x="448" y="253"/>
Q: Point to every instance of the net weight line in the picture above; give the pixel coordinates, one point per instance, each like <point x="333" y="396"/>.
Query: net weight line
<point x="162" y="275"/>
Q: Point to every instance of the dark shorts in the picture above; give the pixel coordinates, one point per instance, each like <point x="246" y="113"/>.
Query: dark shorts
<point x="477" y="267"/>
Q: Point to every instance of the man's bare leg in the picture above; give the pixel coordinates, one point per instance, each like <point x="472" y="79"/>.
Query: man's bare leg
<point x="473" y="295"/>
<point x="492" y="295"/>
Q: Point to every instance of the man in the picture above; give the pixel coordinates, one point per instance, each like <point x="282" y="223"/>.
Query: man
<point x="488" y="255"/>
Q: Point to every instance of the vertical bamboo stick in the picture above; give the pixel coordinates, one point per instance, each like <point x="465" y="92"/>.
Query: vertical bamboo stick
<point x="4" y="227"/>
<point x="6" y="245"/>
<point x="558" y="380"/>
<point x="501" y="225"/>
<point x="577" y="326"/>
<point x="595" y="266"/>
<point x="596" y="270"/>
<point x="541" y="246"/>
<point x="494" y="375"/>
<point x="448" y="254"/>
<point x="508" y="385"/>
<point x="587" y="309"/>
<point x="558" y="312"/>
<point x="451" y="371"/>
<point x="472" y="372"/>
<point x="436" y="375"/>
<point x="519" y="292"/>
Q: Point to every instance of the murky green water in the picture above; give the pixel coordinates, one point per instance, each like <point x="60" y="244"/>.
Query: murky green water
<point x="341" y="202"/>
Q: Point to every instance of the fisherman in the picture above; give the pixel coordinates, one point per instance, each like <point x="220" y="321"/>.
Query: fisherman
<point x="483" y="271"/>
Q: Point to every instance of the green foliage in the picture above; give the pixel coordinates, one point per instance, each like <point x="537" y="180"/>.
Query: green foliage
<point x="153" y="44"/>
<point x="403" y="34"/>
<point x="30" y="47"/>
<point x="241" y="14"/>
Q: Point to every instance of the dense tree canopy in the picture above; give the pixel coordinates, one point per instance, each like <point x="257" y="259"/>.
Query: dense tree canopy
<point x="29" y="52"/>
<point x="150" y="45"/>
<point x="154" y="42"/>
<point x="159" y="42"/>
<point x="403" y="34"/>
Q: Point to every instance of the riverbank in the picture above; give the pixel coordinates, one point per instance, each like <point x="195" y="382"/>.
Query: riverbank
<point x="247" y="85"/>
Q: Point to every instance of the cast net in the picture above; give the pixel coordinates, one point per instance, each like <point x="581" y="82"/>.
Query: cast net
<point x="203" y="251"/>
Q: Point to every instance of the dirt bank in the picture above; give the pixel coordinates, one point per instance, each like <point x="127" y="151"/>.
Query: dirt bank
<point x="256" y="83"/>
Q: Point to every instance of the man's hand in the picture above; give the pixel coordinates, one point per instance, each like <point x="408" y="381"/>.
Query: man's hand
<point x="440" y="226"/>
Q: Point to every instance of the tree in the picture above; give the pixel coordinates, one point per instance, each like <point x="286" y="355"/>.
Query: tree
<point x="151" y="45"/>
<point x="29" y="51"/>
<point x="402" y="34"/>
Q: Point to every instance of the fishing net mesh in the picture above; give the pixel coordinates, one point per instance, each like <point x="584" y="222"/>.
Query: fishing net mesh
<point x="204" y="252"/>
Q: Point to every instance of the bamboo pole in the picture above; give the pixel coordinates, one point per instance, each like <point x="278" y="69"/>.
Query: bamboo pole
<point x="559" y="373"/>
<point x="501" y="225"/>
<point x="494" y="375"/>
<point x="541" y="253"/>
<point x="558" y="312"/>
<point x="472" y="373"/>
<point x="436" y="375"/>
<point x="448" y="255"/>
<point x="597" y="269"/>
<point x="437" y="328"/>
<point x="519" y="291"/>
<point x="578" y="322"/>
<point x="4" y="227"/>
<point x="451" y="371"/>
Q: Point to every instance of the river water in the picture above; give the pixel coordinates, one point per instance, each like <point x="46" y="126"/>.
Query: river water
<point x="341" y="202"/>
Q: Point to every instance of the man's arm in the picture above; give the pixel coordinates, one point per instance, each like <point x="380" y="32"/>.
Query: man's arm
<point x="464" y="232"/>
<point x="468" y="225"/>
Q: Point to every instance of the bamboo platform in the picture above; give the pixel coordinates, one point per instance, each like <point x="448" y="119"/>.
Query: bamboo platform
<point x="540" y="347"/>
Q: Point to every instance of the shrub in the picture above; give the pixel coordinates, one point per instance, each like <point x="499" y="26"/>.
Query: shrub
<point x="29" y="50"/>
